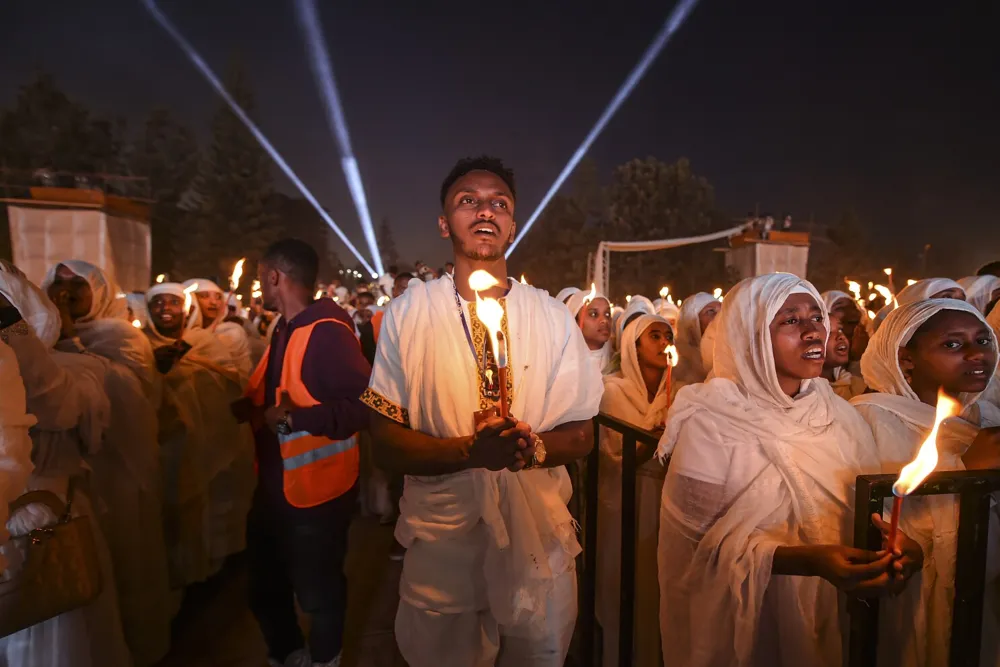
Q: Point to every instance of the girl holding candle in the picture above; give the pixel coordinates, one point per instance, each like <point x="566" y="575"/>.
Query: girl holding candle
<point x="920" y="347"/>
<point x="761" y="486"/>
<point x="637" y="395"/>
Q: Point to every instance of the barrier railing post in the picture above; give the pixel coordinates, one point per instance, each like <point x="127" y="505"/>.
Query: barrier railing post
<point x="626" y="612"/>
<point x="589" y="585"/>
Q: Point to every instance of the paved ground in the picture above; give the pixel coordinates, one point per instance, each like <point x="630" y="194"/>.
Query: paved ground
<point x="216" y="629"/>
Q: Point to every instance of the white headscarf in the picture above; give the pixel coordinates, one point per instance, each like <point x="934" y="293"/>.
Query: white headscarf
<point x="565" y="293"/>
<point x="874" y="324"/>
<point x="880" y="363"/>
<point x="812" y="447"/>
<point x="690" y="368"/>
<point x="979" y="290"/>
<point x="626" y="393"/>
<point x="638" y="304"/>
<point x="36" y="309"/>
<point x="925" y="289"/>
<point x="195" y="319"/>
<point x="579" y="299"/>
<point x="707" y="347"/>
<point x="105" y="329"/>
<point x="831" y="297"/>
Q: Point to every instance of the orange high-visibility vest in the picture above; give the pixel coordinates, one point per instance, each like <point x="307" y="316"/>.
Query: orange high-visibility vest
<point x="316" y="468"/>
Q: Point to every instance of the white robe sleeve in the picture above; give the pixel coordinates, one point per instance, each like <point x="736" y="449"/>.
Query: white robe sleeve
<point x="575" y="384"/>
<point x="387" y="393"/>
<point x="53" y="397"/>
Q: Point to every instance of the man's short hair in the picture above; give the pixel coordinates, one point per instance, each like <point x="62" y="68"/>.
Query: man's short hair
<point x="481" y="163"/>
<point x="404" y="276"/>
<point x="991" y="269"/>
<point x="296" y="259"/>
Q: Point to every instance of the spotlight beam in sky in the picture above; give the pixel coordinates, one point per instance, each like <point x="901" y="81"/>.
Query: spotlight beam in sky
<point x="210" y="76"/>
<point x="673" y="22"/>
<point x="322" y="69"/>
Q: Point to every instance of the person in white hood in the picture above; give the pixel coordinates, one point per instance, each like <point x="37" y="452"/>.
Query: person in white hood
<point x="592" y="312"/>
<point x="696" y="313"/>
<point x="209" y="311"/>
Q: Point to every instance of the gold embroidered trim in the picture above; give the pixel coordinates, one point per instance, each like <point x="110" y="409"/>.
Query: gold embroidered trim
<point x="385" y="407"/>
<point x="480" y="336"/>
<point x="20" y="328"/>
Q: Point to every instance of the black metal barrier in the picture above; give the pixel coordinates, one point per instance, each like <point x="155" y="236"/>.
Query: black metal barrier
<point x="631" y="435"/>
<point x="974" y="489"/>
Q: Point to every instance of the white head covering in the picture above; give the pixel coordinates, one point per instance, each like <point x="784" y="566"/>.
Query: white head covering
<point x="140" y="311"/>
<point x="690" y="367"/>
<point x="880" y="363"/>
<point x="106" y="302"/>
<point x="707" y="347"/>
<point x="925" y="289"/>
<point x="979" y="290"/>
<point x="195" y="319"/>
<point x="830" y="297"/>
<point x="176" y="289"/>
<point x="35" y="307"/>
<point x="638" y="304"/>
<point x="667" y="310"/>
<point x="565" y="293"/>
<point x="579" y="299"/>
<point x="630" y="383"/>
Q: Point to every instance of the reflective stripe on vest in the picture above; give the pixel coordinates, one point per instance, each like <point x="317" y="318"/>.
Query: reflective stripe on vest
<point x="314" y="455"/>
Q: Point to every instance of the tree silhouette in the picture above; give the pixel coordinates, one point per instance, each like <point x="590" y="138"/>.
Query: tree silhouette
<point x="387" y="244"/>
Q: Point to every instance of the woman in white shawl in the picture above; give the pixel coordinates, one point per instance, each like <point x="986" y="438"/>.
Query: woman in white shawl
<point x="637" y="395"/>
<point x="65" y="394"/>
<point x="126" y="476"/>
<point x="920" y="347"/>
<point x="836" y="366"/>
<point x="207" y="457"/>
<point x="930" y="288"/>
<point x="980" y="291"/>
<point x="761" y="483"/>
<point x="592" y="312"/>
<point x="854" y="323"/>
<point x="208" y="311"/>
<point x="697" y="312"/>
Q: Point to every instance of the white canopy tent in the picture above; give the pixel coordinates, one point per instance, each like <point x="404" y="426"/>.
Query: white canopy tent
<point x="601" y="268"/>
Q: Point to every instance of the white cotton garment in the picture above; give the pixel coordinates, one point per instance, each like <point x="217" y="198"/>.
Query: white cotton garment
<point x="979" y="290"/>
<point x="752" y="469"/>
<point x="36" y="308"/>
<point x="565" y="293"/>
<point x="626" y="398"/>
<point x="207" y="457"/>
<point x="15" y="444"/>
<point x="707" y="347"/>
<point x="915" y="627"/>
<point x="425" y="366"/>
<point x="600" y="358"/>
<point x="925" y="289"/>
<point x="231" y="334"/>
<point x="690" y="367"/>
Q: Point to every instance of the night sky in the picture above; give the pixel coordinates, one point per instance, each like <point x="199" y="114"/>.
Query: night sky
<point x="805" y="107"/>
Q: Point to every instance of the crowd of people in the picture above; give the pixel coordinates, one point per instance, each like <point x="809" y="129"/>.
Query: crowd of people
<point x="185" y="430"/>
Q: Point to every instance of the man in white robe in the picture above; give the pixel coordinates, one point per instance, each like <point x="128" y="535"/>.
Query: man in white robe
<point x="490" y="543"/>
<point x="200" y="440"/>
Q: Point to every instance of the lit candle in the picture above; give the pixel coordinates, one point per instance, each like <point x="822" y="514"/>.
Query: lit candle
<point x="915" y="472"/>
<point x="188" y="291"/>
<point x="490" y="313"/>
<point x="672" y="359"/>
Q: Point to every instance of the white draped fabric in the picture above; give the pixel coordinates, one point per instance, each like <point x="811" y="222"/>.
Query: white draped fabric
<point x="424" y="366"/>
<point x="752" y="469"/>
<point x="602" y="259"/>
<point x="979" y="290"/>
<point x="575" y="303"/>
<point x="925" y="289"/>
<point x="65" y="394"/>
<point x="207" y="457"/>
<point x="36" y="308"/>
<point x="690" y="368"/>
<point x="915" y="627"/>
<point x="626" y="398"/>
<point x="707" y="347"/>
<point x="15" y="443"/>
<point x="230" y="334"/>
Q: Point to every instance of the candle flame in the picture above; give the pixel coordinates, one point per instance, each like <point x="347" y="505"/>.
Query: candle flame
<point x="628" y="298"/>
<point x="382" y="300"/>
<point x="256" y="294"/>
<point x="488" y="310"/>
<point x="915" y="472"/>
<point x="234" y="280"/>
<point x="717" y="293"/>
<point x="664" y="291"/>
<point x="911" y="281"/>
<point x="255" y="286"/>
<point x="524" y="281"/>
<point x="872" y="296"/>
<point x="188" y="291"/>
<point x="870" y="284"/>
<point x="871" y="314"/>
<point x="679" y="302"/>
<point x="885" y="292"/>
<point x="671" y="353"/>
<point x="319" y="294"/>
<point x="888" y="272"/>
<point x="593" y="293"/>
<point x="160" y="278"/>
<point x="480" y="281"/>
<point x="137" y="324"/>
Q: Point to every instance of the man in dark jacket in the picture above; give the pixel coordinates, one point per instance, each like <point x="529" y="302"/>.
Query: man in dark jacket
<point x="296" y="535"/>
